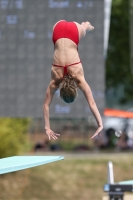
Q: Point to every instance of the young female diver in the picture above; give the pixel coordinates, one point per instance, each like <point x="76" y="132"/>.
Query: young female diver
<point x="67" y="72"/>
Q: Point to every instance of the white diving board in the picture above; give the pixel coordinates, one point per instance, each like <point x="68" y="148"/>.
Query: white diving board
<point x="16" y="163"/>
<point x="129" y="182"/>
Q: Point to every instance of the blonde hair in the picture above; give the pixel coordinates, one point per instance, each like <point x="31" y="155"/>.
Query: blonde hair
<point x="68" y="89"/>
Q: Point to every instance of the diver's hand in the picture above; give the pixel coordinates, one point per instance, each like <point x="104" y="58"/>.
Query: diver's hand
<point x="51" y="134"/>
<point x="89" y="27"/>
<point x="97" y="131"/>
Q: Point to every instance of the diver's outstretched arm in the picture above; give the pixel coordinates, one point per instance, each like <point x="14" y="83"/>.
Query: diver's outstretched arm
<point x="83" y="85"/>
<point x="48" y="98"/>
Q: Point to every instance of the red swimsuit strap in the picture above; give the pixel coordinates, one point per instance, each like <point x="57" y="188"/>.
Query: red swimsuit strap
<point x="65" y="67"/>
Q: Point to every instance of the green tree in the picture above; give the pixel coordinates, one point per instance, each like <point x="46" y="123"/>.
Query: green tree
<point x="118" y="58"/>
<point x="12" y="136"/>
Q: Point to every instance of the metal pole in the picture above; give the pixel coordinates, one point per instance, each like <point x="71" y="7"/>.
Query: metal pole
<point x="110" y="173"/>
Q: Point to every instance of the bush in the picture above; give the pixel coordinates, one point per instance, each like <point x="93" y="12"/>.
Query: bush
<point x="12" y="136"/>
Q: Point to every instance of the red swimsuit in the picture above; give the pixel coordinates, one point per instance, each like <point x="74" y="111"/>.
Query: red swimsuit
<point x="64" y="29"/>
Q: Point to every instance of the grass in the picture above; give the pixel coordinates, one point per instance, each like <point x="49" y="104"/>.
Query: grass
<point x="74" y="179"/>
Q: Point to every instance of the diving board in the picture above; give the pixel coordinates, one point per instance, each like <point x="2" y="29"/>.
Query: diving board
<point x="129" y="182"/>
<point x="17" y="163"/>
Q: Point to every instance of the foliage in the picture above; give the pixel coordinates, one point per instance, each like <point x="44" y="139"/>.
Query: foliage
<point x="118" y="71"/>
<point x="12" y="136"/>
